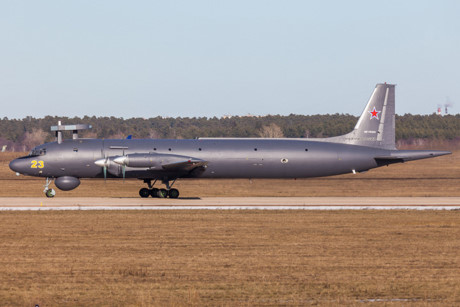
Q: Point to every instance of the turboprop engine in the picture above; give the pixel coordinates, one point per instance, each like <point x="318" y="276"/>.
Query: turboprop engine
<point x="155" y="161"/>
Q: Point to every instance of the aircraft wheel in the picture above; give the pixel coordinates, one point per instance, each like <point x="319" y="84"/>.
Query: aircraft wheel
<point x="50" y="193"/>
<point x="162" y="193"/>
<point x="144" y="192"/>
<point x="154" y="192"/>
<point x="173" y="193"/>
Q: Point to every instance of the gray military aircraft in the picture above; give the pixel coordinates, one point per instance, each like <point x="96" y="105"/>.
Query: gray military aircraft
<point x="371" y="144"/>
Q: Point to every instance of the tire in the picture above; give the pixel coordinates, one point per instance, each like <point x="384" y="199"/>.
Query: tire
<point x="154" y="192"/>
<point x="144" y="193"/>
<point x="162" y="193"/>
<point x="50" y="193"/>
<point x="173" y="193"/>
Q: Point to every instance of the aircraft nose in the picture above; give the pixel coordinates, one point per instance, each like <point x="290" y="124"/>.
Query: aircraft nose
<point x="18" y="165"/>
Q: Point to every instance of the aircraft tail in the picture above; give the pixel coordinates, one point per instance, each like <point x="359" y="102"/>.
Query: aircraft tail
<point x="376" y="126"/>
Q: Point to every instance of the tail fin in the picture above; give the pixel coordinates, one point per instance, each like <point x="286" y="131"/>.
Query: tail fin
<point x="376" y="126"/>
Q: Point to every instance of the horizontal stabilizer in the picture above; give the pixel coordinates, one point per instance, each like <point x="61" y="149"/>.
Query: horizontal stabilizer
<point x="409" y="155"/>
<point x="386" y="160"/>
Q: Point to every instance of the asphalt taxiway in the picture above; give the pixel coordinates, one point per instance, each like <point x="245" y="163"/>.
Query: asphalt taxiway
<point x="228" y="203"/>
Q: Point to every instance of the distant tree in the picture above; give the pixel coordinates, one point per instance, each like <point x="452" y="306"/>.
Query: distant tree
<point x="34" y="138"/>
<point x="153" y="134"/>
<point x="118" y="135"/>
<point x="89" y="135"/>
<point x="271" y="131"/>
<point x="23" y="134"/>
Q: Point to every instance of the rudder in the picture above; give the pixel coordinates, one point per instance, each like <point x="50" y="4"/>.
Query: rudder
<point x="376" y="125"/>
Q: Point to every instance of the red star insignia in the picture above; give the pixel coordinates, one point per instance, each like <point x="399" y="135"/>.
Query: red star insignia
<point x="374" y="113"/>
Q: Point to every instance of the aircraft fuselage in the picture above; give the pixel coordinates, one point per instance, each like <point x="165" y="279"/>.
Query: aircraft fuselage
<point x="226" y="158"/>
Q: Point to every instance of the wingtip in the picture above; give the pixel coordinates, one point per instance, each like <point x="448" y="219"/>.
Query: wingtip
<point x="442" y="153"/>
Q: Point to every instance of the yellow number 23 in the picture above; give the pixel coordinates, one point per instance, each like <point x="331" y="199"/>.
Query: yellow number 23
<point x="37" y="164"/>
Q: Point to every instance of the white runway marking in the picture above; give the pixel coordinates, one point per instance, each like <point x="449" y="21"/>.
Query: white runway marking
<point x="234" y="208"/>
<point x="232" y="203"/>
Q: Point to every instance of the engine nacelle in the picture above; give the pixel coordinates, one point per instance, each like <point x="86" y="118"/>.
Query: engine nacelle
<point x="140" y="160"/>
<point x="67" y="183"/>
<point x="149" y="160"/>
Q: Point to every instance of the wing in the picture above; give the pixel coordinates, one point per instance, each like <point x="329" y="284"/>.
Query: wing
<point x="184" y="166"/>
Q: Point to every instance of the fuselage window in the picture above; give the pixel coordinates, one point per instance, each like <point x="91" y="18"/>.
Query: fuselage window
<point x="306" y="149"/>
<point x="255" y="149"/>
<point x="169" y="149"/>
<point x="154" y="149"/>
<point x="199" y="149"/>
<point x="75" y="149"/>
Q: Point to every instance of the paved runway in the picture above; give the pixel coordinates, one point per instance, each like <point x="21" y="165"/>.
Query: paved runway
<point x="226" y="203"/>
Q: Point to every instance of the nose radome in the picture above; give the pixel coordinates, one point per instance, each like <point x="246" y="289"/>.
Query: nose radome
<point x="17" y="165"/>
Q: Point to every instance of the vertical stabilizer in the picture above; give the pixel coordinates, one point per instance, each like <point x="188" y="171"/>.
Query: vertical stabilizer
<point x="376" y="126"/>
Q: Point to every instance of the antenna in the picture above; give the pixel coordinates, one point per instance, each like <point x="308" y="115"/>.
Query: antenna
<point x="60" y="128"/>
<point x="447" y="105"/>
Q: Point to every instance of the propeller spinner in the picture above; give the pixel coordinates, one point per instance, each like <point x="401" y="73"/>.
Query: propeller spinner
<point x="105" y="163"/>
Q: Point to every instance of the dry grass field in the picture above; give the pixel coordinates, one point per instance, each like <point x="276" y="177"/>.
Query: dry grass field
<point x="242" y="258"/>
<point x="230" y="258"/>
<point x="431" y="177"/>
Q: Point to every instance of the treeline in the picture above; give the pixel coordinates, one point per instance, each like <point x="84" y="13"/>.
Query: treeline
<point x="23" y="134"/>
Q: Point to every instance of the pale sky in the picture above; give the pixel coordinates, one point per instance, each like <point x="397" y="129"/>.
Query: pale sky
<point x="211" y="58"/>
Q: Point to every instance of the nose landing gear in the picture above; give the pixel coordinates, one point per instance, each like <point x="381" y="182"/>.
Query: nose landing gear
<point x="49" y="192"/>
<point x="159" y="193"/>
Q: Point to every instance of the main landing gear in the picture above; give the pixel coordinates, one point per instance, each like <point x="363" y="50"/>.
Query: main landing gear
<point x="159" y="193"/>
<point x="49" y="192"/>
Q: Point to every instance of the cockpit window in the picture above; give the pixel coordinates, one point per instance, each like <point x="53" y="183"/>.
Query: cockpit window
<point x="37" y="152"/>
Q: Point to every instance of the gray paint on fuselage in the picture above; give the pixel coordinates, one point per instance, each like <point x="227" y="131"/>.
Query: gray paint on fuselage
<point x="233" y="158"/>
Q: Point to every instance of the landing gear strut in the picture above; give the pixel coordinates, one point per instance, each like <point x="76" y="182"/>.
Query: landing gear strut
<point x="160" y="193"/>
<point x="49" y="192"/>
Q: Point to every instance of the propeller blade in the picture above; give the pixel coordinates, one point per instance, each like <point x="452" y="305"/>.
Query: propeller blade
<point x="105" y="173"/>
